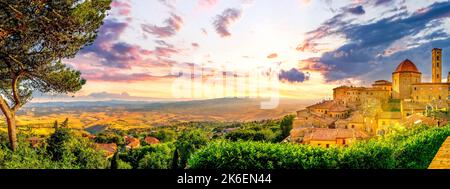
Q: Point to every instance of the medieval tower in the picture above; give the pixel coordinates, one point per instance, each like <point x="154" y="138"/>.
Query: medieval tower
<point x="436" y="68"/>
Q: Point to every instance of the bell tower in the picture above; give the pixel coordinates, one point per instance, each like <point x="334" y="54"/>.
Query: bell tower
<point x="436" y="65"/>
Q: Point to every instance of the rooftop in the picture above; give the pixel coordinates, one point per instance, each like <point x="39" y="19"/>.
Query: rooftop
<point x="406" y="66"/>
<point x="325" y="134"/>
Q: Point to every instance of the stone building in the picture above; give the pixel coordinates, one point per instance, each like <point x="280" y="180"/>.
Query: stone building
<point x="381" y="106"/>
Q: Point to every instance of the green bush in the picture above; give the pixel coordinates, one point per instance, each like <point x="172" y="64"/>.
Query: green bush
<point x="164" y="135"/>
<point x="159" y="159"/>
<point x="413" y="148"/>
<point x="123" y="165"/>
<point x="25" y="158"/>
<point x="72" y="151"/>
<point x="157" y="156"/>
<point x="251" y="135"/>
<point x="109" y="138"/>
<point x="418" y="150"/>
<point x="187" y="143"/>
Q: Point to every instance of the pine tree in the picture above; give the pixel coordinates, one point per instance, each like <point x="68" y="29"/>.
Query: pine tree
<point x="55" y="125"/>
<point x="34" y="37"/>
<point x="65" y="123"/>
<point x="175" y="159"/>
<point x="115" y="160"/>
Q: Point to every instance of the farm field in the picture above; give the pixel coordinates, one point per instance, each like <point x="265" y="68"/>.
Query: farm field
<point x="38" y="118"/>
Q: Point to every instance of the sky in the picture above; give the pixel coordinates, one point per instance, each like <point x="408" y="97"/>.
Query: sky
<point x="301" y="49"/>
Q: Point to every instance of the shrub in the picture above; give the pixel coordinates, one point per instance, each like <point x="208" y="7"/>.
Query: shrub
<point x="260" y="155"/>
<point x="418" y="150"/>
<point x="144" y="157"/>
<point x="158" y="159"/>
<point x="405" y="149"/>
<point x="187" y="143"/>
<point x="71" y="151"/>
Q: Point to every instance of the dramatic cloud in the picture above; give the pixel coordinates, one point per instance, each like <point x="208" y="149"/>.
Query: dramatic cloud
<point x="110" y="52"/>
<point x="314" y="64"/>
<point x="358" y="10"/>
<point x="293" y="75"/>
<point x="366" y="46"/>
<point x="273" y="55"/>
<point x="173" y="25"/>
<point x="108" y="57"/>
<point x="224" y="20"/>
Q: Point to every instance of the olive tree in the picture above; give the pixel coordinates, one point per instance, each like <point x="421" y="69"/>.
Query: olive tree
<point x="35" y="35"/>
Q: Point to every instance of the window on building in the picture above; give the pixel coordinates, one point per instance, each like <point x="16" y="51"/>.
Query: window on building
<point x="353" y="126"/>
<point x="437" y="75"/>
<point x="328" y="145"/>
<point x="437" y="57"/>
<point x="437" y="64"/>
<point x="347" y="126"/>
<point x="439" y="97"/>
<point x="415" y="88"/>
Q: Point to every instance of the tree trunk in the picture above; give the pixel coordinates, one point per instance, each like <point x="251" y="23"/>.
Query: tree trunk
<point x="11" y="122"/>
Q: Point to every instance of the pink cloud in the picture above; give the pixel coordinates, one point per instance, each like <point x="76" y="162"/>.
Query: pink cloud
<point x="207" y="3"/>
<point x="173" y="25"/>
<point x="123" y="8"/>
<point x="314" y="64"/>
<point x="224" y="20"/>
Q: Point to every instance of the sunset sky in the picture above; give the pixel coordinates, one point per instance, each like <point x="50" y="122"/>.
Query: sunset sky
<point x="317" y="44"/>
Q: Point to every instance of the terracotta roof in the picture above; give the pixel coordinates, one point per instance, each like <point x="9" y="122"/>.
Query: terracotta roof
<point x="321" y="105"/>
<point x="406" y="66"/>
<point x="108" y="148"/>
<point x="338" y="108"/>
<point x="419" y="118"/>
<point x="151" y="140"/>
<point x="325" y="134"/>
<point x="330" y="105"/>
<point x="381" y="83"/>
<point x="342" y="87"/>
<point x="132" y="142"/>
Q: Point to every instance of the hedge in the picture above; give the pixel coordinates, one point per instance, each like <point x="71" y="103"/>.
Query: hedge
<point x="413" y="149"/>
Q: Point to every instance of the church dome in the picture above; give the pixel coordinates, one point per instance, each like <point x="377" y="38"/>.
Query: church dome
<point x="406" y="66"/>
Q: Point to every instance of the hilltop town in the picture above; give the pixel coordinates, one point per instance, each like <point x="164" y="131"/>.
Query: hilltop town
<point x="358" y="113"/>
